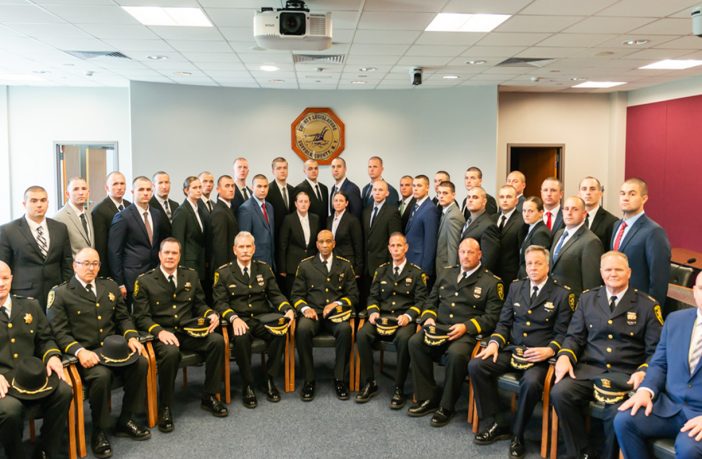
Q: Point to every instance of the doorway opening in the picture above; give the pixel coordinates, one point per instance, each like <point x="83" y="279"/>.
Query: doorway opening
<point x="537" y="162"/>
<point x="92" y="161"/>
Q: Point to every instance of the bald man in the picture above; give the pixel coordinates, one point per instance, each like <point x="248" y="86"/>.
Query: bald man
<point x="318" y="192"/>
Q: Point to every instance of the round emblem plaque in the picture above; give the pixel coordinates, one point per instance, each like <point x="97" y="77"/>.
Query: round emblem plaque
<point x="317" y="134"/>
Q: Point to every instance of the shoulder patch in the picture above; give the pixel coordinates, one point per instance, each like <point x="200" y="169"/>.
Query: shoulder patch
<point x="50" y="300"/>
<point x="657" y="312"/>
<point x="571" y="301"/>
<point x="500" y="290"/>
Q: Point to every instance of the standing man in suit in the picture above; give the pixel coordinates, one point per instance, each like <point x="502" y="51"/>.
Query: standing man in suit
<point x="318" y="193"/>
<point x="342" y="183"/>
<point x="406" y="202"/>
<point x="474" y="177"/>
<point x="36" y="248"/>
<point x="510" y="225"/>
<point x="422" y="227"/>
<point x="160" y="200"/>
<point x="298" y="238"/>
<point x="668" y="403"/>
<point x="642" y="240"/>
<point x="439" y="178"/>
<point x="534" y="231"/>
<point x="480" y="226"/>
<point x="281" y="196"/>
<point x="518" y="181"/>
<point x="615" y="329"/>
<point x="104" y="212"/>
<point x="375" y="173"/>
<point x="576" y="251"/>
<point x="256" y="216"/>
<point x="75" y="216"/>
<point x="191" y="229"/>
<point x="207" y="181"/>
<point x="449" y="228"/>
<point x="551" y="195"/>
<point x="598" y="219"/>
<point x="223" y="225"/>
<point x="135" y="235"/>
<point x="242" y="193"/>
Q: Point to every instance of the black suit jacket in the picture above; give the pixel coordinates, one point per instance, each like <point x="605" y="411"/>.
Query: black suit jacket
<point x="317" y="207"/>
<point x="540" y="235"/>
<point x="508" y="264"/>
<point x="102" y="214"/>
<point x="408" y="211"/>
<point x="292" y="247"/>
<point x="157" y="205"/>
<point x="578" y="262"/>
<point x="223" y="230"/>
<point x="353" y="193"/>
<point x="32" y="274"/>
<point x="490" y="207"/>
<point x="191" y="237"/>
<point x="556" y="222"/>
<point x="349" y="240"/>
<point x="239" y="198"/>
<point x="386" y="222"/>
<point x="602" y="226"/>
<point x="485" y="231"/>
<point x="280" y="210"/>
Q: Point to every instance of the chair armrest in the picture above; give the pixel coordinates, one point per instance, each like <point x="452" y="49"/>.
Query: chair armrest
<point x="68" y="360"/>
<point x="362" y="314"/>
<point x="145" y="337"/>
<point x="552" y="361"/>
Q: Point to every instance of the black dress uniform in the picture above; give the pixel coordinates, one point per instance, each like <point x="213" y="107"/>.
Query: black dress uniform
<point x="392" y="295"/>
<point x="26" y="333"/>
<point x="523" y="322"/>
<point x="158" y="306"/>
<point x="315" y="287"/>
<point x="476" y="302"/>
<point x="600" y="341"/>
<point x="235" y="295"/>
<point x="82" y="319"/>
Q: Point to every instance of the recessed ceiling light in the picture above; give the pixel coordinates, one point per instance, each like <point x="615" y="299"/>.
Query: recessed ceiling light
<point x="320" y="69"/>
<point x="158" y="16"/>
<point x="672" y="64"/>
<point x="269" y="68"/>
<point x="277" y="81"/>
<point x="453" y="22"/>
<point x="476" y="62"/>
<point x="183" y="74"/>
<point x="157" y="58"/>
<point x="362" y="76"/>
<point x="450" y="77"/>
<point x="19" y="77"/>
<point x="636" y="42"/>
<point x="358" y="82"/>
<point x="577" y="79"/>
<point x="599" y="84"/>
<point x="367" y="69"/>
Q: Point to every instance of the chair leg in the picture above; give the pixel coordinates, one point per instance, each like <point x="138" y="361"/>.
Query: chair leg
<point x="352" y="358"/>
<point x="471" y="401"/>
<point x="476" y="419"/>
<point x="151" y="386"/>
<point x="545" y="410"/>
<point x="227" y="368"/>
<point x="554" y="434"/>
<point x="79" y="410"/>
<point x="290" y="359"/>
<point x="185" y="377"/>
<point x="513" y="404"/>
<point x="382" y="361"/>
<point x="32" y="430"/>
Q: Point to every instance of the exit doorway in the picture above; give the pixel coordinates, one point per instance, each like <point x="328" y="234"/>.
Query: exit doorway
<point x="537" y="162"/>
<point x="92" y="161"/>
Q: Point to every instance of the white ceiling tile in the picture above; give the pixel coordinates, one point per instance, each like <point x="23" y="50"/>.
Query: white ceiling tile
<point x="210" y="57"/>
<point x="229" y="17"/>
<point x="220" y="66"/>
<point x="122" y="31"/>
<point x="654" y="41"/>
<point x="237" y="33"/>
<point x="427" y="50"/>
<point x="489" y="51"/>
<point x="600" y="25"/>
<point x="690" y="42"/>
<point x="81" y="44"/>
<point x="418" y="6"/>
<point x="344" y="20"/>
<point x="551" y="52"/>
<point x="657" y="54"/>
<point x="646" y="8"/>
<point x="279" y="58"/>
<point x="584" y="40"/>
<point x="395" y="21"/>
<point x="127" y="45"/>
<point x="378" y="50"/>
<point x="423" y="61"/>
<point x="524" y="23"/>
<point x="485" y="6"/>
<point x="187" y="33"/>
<point x="204" y="46"/>
<point x="92" y="14"/>
<point x="385" y="37"/>
<point x="16" y="14"/>
<point x="449" y="38"/>
<point x="366" y="61"/>
<point x="168" y="3"/>
<point x="512" y="39"/>
<point x="567" y="7"/>
<point x="667" y="26"/>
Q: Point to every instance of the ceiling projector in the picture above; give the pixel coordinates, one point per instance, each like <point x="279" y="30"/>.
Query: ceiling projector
<point x="292" y="28"/>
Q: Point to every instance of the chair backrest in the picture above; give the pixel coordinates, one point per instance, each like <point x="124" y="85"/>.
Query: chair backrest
<point x="680" y="275"/>
<point x="679" y="297"/>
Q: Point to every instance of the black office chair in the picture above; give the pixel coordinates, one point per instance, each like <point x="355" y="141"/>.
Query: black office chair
<point x="679" y="275"/>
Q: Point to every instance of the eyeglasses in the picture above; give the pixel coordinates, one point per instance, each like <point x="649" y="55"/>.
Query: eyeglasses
<point x="88" y="264"/>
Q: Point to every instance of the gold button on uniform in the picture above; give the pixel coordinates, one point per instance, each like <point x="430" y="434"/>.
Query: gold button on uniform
<point x="525" y="334"/>
<point x="12" y="340"/>
<point x="99" y="317"/>
<point x="610" y="336"/>
<point x="451" y="316"/>
<point x="609" y="349"/>
<point x="15" y="356"/>
<point x="609" y="365"/>
<point x="10" y="325"/>
<point x="174" y="306"/>
<point x="528" y="324"/>
<point x="529" y="312"/>
<point x="610" y="321"/>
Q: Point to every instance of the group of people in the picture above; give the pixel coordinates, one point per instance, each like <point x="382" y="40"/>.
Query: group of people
<point x="537" y="277"/>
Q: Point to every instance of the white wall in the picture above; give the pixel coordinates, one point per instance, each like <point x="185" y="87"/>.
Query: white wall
<point x="5" y="176"/>
<point x="38" y="117"/>
<point x="686" y="87"/>
<point x="591" y="126"/>
<point x="186" y="129"/>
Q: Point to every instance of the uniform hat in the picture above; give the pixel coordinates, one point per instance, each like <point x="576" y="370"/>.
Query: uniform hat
<point x="276" y="324"/>
<point x="197" y="327"/>
<point x="115" y="352"/>
<point x="518" y="361"/>
<point x="386" y="325"/>
<point x="611" y="388"/>
<point x="30" y="381"/>
<point x="340" y="313"/>
<point x="436" y="335"/>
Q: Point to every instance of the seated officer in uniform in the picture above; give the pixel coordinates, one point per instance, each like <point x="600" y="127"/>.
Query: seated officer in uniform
<point x="398" y="291"/>
<point x="25" y="332"/>
<point x="322" y="283"/>
<point x="613" y="334"/>
<point x="169" y="301"/>
<point x="243" y="290"/>
<point x="467" y="299"/>
<point x="532" y="326"/>
<point x="83" y="312"/>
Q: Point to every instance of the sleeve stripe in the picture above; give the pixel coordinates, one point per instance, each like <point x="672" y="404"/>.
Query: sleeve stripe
<point x="47" y="352"/>
<point x="227" y="312"/>
<point x="554" y="342"/>
<point x="430" y="312"/>
<point x="415" y="308"/>
<point x="497" y="335"/>
<point x="643" y="365"/>
<point x="280" y="306"/>
<point x="152" y="327"/>
<point x="70" y="345"/>
<point x="571" y="353"/>
<point x="373" y="306"/>
<point x="208" y="312"/>
<point x="477" y="325"/>
<point x="127" y="331"/>
<point x="347" y="300"/>
<point x="298" y="302"/>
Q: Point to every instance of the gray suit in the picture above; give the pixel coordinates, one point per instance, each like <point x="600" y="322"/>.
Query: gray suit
<point x="76" y="233"/>
<point x="449" y="237"/>
<point x="578" y="262"/>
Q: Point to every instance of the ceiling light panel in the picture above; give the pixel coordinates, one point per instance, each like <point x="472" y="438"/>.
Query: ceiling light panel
<point x="455" y="22"/>
<point x="158" y="16"/>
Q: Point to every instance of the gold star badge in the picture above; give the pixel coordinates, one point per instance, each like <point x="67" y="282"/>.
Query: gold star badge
<point x="111" y="296"/>
<point x="28" y="318"/>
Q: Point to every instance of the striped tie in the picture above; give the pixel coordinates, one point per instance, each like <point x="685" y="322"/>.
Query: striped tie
<point x="41" y="240"/>
<point x="695" y="350"/>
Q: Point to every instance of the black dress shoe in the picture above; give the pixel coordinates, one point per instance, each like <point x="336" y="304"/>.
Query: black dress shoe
<point x="369" y="391"/>
<point x="100" y="444"/>
<point x="249" y="397"/>
<point x="398" y="399"/>
<point x="307" y="393"/>
<point x="494" y="433"/>
<point x="165" y="420"/>
<point x="422" y="409"/>
<point x="516" y="448"/>
<point x="342" y="391"/>
<point x="214" y="406"/>
<point x="441" y="417"/>
<point x="132" y="430"/>
<point x="272" y="393"/>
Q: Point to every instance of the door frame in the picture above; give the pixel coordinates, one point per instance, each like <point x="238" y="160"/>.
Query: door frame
<point x="60" y="172"/>
<point x="560" y="146"/>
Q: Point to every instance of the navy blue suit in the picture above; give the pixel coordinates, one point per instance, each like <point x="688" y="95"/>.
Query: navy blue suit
<point x="353" y="194"/>
<point x="251" y="219"/>
<point x="421" y="233"/>
<point x="648" y="249"/>
<point x="677" y="392"/>
<point x="367" y="195"/>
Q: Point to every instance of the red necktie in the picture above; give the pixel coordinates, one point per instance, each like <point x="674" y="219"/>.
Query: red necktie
<point x="548" y="220"/>
<point x="265" y="214"/>
<point x="620" y="234"/>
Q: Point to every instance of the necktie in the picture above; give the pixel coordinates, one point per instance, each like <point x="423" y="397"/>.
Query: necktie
<point x="89" y="288"/>
<point x="84" y="221"/>
<point x="120" y="208"/>
<point x="462" y="276"/>
<point x="171" y="282"/>
<point x="587" y="221"/>
<point x="319" y="192"/>
<point x="265" y="213"/>
<point x="285" y="197"/>
<point x="397" y="272"/>
<point x="502" y="222"/>
<point x="402" y="207"/>
<point x="41" y="240"/>
<point x="3" y="309"/>
<point x="208" y="203"/>
<point x="246" y="274"/>
<point x="620" y="235"/>
<point x="534" y="294"/>
<point x="167" y="208"/>
<point x="414" y="211"/>
<point x="549" y="223"/>
<point x="375" y="214"/>
<point x="149" y="231"/>
<point x="612" y="303"/>
<point x="245" y="192"/>
<point x="326" y="266"/>
<point x="559" y="246"/>
<point x="695" y="349"/>
<point x="465" y="227"/>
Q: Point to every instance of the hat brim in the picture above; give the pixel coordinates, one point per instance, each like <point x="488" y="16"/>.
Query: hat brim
<point x="111" y="362"/>
<point x="52" y="383"/>
<point x="197" y="332"/>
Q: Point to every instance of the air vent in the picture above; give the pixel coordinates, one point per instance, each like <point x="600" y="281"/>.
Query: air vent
<point x="318" y="24"/>
<point x="318" y="58"/>
<point x="85" y="55"/>
<point x="525" y="62"/>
